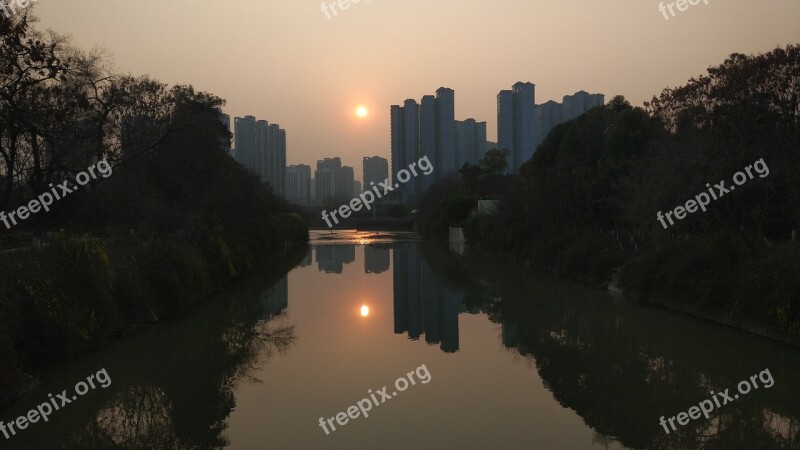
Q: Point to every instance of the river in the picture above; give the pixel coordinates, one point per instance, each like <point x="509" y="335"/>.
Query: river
<point x="501" y="357"/>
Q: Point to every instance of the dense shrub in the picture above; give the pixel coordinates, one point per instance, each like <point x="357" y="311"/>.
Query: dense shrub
<point x="77" y="291"/>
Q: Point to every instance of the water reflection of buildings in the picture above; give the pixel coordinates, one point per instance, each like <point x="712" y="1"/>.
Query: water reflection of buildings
<point x="332" y="258"/>
<point x="306" y="259"/>
<point x="275" y="299"/>
<point x="376" y="259"/>
<point x="510" y="335"/>
<point x="422" y="302"/>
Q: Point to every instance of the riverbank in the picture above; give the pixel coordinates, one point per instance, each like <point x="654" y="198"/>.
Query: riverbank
<point x="588" y="205"/>
<point x="76" y="293"/>
<point x="715" y="278"/>
<point x="711" y="277"/>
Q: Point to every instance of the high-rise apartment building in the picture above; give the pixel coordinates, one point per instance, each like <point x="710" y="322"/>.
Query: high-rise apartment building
<point x="524" y="133"/>
<point x="262" y="157"/>
<point x="578" y="103"/>
<point x="261" y="148"/>
<point x="298" y="184"/>
<point x="271" y="160"/>
<point x="470" y="142"/>
<point x="425" y="129"/>
<point x="280" y="179"/>
<point x="346" y="183"/>
<point x="334" y="181"/>
<point x="397" y="124"/>
<point x="446" y="131"/>
<point x="550" y="114"/>
<point x="515" y="123"/>
<point x="405" y="144"/>
<point x="505" y="122"/>
<point x="410" y="143"/>
<point x="324" y="184"/>
<point x="427" y="139"/>
<point x="375" y="170"/>
<point x="547" y="116"/>
<point x="245" y="139"/>
<point x="325" y="178"/>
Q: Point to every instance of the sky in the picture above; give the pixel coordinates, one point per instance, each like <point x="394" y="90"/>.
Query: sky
<point x="286" y="62"/>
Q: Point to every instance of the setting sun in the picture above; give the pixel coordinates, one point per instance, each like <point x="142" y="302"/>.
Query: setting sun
<point x="361" y="111"/>
<point x="364" y="311"/>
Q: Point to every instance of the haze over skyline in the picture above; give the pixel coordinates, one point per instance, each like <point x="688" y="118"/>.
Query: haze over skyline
<point x="285" y="62"/>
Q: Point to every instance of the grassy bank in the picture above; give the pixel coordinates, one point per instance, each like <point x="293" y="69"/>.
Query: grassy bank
<point x="712" y="276"/>
<point x="587" y="256"/>
<point x="78" y="291"/>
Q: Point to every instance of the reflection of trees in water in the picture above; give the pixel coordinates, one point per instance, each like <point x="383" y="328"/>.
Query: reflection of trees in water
<point x="621" y="368"/>
<point x="782" y="428"/>
<point x="254" y="345"/>
<point x="259" y="330"/>
<point x="142" y="416"/>
<point x="139" y="417"/>
<point x="148" y="417"/>
<point x="180" y="395"/>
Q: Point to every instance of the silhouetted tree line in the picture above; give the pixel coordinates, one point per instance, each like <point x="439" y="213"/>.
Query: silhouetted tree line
<point x="450" y="201"/>
<point x="62" y="110"/>
<point x="176" y="220"/>
<point x="585" y="205"/>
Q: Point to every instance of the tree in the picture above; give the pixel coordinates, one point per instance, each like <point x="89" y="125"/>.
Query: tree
<point x="29" y="64"/>
<point x="485" y="179"/>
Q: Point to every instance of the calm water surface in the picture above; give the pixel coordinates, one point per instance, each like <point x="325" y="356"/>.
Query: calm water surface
<point x="516" y="360"/>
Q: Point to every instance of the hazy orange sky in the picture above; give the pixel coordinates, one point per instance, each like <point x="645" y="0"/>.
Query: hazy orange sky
<point x="285" y="62"/>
